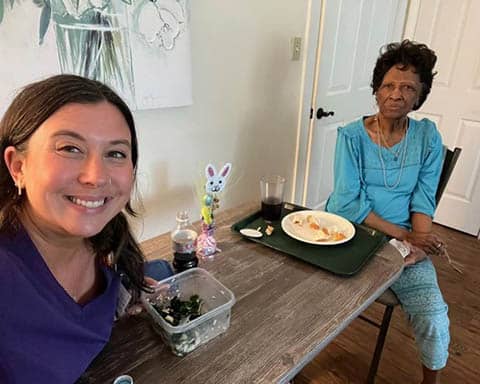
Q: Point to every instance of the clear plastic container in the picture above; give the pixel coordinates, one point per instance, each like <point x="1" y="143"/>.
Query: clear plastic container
<point x="217" y="303"/>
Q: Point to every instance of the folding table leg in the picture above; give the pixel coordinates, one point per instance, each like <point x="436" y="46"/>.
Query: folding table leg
<point x="387" y="315"/>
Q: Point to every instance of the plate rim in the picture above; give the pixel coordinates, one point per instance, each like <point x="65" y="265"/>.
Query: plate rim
<point x="338" y="242"/>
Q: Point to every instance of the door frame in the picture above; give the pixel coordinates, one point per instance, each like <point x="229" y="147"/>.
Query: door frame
<point x="308" y="90"/>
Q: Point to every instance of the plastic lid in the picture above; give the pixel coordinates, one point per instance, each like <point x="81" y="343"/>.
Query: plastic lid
<point x="124" y="379"/>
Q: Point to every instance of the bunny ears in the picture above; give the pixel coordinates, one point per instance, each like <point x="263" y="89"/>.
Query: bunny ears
<point x="216" y="182"/>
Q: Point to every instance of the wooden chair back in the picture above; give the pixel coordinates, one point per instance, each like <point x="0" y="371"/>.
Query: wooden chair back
<point x="449" y="163"/>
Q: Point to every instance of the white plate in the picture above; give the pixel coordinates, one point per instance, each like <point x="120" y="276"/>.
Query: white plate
<point x="250" y="232"/>
<point x="324" y="219"/>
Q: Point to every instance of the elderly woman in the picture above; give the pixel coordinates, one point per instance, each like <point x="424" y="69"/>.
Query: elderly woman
<point x="387" y="168"/>
<point x="69" y="155"/>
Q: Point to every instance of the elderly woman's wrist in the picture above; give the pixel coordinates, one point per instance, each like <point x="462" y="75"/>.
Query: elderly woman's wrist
<point x="402" y="234"/>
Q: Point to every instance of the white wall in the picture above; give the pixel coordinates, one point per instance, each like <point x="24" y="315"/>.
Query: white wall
<point x="246" y="96"/>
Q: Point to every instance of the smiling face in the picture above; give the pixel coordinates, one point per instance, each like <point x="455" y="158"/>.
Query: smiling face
<point x="398" y="93"/>
<point x="77" y="170"/>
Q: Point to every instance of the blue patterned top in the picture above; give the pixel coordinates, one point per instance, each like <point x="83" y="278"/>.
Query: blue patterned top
<point x="360" y="177"/>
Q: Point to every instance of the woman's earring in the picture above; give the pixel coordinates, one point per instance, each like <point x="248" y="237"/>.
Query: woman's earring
<point x="19" y="188"/>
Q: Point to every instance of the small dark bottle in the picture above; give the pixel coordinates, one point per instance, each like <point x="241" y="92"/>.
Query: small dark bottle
<point x="184" y="244"/>
<point x="184" y="261"/>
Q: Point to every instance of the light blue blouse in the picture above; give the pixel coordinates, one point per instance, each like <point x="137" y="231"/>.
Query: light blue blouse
<point x="359" y="186"/>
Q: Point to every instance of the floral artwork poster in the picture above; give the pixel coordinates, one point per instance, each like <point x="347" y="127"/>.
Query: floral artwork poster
<point x="141" y="48"/>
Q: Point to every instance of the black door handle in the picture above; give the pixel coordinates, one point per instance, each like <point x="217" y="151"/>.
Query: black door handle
<point x="321" y="113"/>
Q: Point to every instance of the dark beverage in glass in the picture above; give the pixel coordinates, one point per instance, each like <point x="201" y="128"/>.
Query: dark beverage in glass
<point x="271" y="192"/>
<point x="271" y="208"/>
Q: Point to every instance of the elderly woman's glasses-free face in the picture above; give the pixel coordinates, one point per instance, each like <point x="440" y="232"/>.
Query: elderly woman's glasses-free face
<point x="407" y="90"/>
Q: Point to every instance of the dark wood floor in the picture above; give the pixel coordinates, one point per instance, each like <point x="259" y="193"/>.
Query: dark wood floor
<point x="347" y="358"/>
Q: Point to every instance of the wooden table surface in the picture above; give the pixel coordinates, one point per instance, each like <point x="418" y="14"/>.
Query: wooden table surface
<point x="286" y="312"/>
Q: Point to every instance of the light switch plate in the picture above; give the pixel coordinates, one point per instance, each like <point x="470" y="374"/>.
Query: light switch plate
<point x="296" y="48"/>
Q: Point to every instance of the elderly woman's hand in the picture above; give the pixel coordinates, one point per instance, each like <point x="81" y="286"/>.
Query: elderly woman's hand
<point x="427" y="241"/>
<point x="416" y="254"/>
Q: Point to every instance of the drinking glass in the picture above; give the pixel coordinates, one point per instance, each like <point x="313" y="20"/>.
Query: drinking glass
<point x="271" y="189"/>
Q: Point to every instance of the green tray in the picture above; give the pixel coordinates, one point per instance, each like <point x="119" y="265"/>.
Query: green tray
<point x="342" y="259"/>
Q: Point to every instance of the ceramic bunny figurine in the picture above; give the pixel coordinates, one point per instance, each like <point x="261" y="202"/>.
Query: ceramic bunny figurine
<point x="215" y="183"/>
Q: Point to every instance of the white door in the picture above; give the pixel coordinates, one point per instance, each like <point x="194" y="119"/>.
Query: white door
<point x="452" y="29"/>
<point x="350" y="35"/>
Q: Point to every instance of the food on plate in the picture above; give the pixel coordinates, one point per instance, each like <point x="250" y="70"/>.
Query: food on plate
<point x="337" y="236"/>
<point x="311" y="229"/>
<point x="312" y="223"/>
<point x="298" y="220"/>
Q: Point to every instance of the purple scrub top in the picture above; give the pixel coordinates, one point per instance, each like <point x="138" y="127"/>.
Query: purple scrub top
<point x="45" y="336"/>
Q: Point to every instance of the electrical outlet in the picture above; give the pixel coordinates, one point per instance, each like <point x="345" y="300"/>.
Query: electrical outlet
<point x="296" y="48"/>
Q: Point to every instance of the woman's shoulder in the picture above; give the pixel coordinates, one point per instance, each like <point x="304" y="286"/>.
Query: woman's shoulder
<point x="8" y="260"/>
<point x="16" y="248"/>
<point x="8" y="240"/>
<point x="12" y="237"/>
<point x="353" y="129"/>
<point x="425" y="125"/>
<point x="427" y="129"/>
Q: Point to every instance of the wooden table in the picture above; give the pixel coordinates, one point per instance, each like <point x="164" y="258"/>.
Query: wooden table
<point x="286" y="312"/>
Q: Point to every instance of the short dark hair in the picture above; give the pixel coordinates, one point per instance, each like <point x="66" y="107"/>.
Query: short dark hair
<point x="404" y="55"/>
<point x="31" y="107"/>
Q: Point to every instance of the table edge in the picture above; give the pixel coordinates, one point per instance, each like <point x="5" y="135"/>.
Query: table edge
<point x="312" y="354"/>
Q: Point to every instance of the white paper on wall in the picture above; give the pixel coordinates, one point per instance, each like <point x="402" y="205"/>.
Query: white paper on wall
<point x="141" y="48"/>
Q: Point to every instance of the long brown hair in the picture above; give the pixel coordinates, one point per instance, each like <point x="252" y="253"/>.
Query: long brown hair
<point x="30" y="108"/>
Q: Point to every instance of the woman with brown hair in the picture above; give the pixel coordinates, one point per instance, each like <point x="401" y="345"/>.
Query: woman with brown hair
<point x="67" y="170"/>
